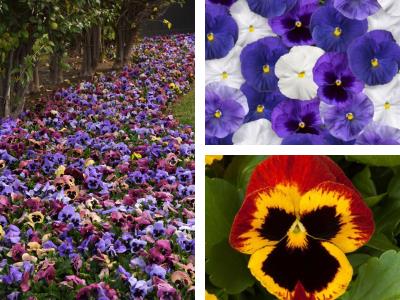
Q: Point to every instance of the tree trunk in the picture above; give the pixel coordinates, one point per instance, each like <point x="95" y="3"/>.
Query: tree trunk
<point x="35" y="86"/>
<point x="56" y="71"/>
<point x="5" y="95"/>
<point x="91" y="50"/>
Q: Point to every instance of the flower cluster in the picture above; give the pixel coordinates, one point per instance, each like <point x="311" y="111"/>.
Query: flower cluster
<point x="302" y="72"/>
<point x="97" y="186"/>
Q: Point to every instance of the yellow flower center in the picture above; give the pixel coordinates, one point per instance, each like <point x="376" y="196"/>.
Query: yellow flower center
<point x="338" y="82"/>
<point x="297" y="235"/>
<point x="337" y="31"/>
<point x="374" y="62"/>
<point x="298" y="24"/>
<point x="266" y="69"/>
<point x="349" y="116"/>
<point x="224" y="75"/>
<point x="251" y="28"/>
<point x="302" y="124"/>
<point x="210" y="37"/>
<point x="260" y="108"/>
<point x="218" y="114"/>
<point x="387" y="105"/>
<point x="301" y="74"/>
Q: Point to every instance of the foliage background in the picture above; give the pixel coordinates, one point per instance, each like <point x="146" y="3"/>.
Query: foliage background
<point x="376" y="265"/>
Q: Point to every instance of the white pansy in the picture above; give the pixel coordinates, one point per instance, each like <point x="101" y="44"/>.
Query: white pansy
<point x="392" y="7"/>
<point x="252" y="26"/>
<point x="382" y="20"/>
<point x="295" y="72"/>
<point x="386" y="99"/>
<point x="257" y="132"/>
<point x="226" y="70"/>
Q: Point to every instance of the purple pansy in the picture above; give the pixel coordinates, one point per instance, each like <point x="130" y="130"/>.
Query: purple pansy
<point x="271" y="8"/>
<point x="378" y="134"/>
<point x="357" y="9"/>
<point x="221" y="31"/>
<point x="374" y="57"/>
<point x="258" y="63"/>
<point x="294" y="26"/>
<point x="336" y="83"/>
<point x="347" y="120"/>
<point x="226" y="108"/>
<point x="261" y="104"/>
<point x="296" y="117"/>
<point x="332" y="31"/>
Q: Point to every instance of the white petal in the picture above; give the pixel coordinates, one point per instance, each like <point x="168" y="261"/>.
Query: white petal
<point x="392" y="7"/>
<point x="299" y="59"/>
<point x="382" y="20"/>
<point x="229" y="64"/>
<point x="257" y="132"/>
<point x="386" y="93"/>
<point x="245" y="18"/>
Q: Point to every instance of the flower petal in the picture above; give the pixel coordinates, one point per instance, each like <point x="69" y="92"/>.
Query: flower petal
<point x="334" y="212"/>
<point x="282" y="270"/>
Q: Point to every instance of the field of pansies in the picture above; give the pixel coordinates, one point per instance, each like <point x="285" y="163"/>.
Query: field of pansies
<point x="97" y="186"/>
<point x="302" y="227"/>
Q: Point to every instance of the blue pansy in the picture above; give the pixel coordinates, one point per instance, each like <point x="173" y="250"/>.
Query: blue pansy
<point x="374" y="57"/>
<point x="332" y="31"/>
<point x="271" y="8"/>
<point x="221" y="31"/>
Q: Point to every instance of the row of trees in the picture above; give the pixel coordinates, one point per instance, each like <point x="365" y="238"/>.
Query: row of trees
<point x="33" y="29"/>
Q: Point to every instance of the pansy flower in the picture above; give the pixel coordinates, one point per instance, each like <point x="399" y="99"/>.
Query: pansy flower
<point x="374" y="57"/>
<point x="226" y="108"/>
<point x="378" y="134"/>
<point x="221" y="31"/>
<point x="296" y="117"/>
<point x="252" y="26"/>
<point x="357" y="9"/>
<point x="386" y="100"/>
<point x="347" y="120"/>
<point x="257" y="132"/>
<point x="332" y="31"/>
<point x="260" y="104"/>
<point x="271" y="8"/>
<point x="392" y="7"/>
<point x="258" y="62"/>
<point x="336" y="83"/>
<point x="294" y="26"/>
<point x="294" y="71"/>
<point x="382" y="20"/>
<point x="300" y="215"/>
<point x="226" y="70"/>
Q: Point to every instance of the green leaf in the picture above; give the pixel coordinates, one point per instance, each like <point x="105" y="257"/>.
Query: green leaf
<point x="240" y="169"/>
<point x="222" y="204"/>
<point x="357" y="259"/>
<point x="377" y="279"/>
<point x="376" y="160"/>
<point x="381" y="242"/>
<point x="364" y="183"/>
<point x="374" y="200"/>
<point x="228" y="269"/>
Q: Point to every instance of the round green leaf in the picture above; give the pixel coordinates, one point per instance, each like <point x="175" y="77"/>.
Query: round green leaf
<point x="378" y="278"/>
<point x="228" y="269"/>
<point x="222" y="204"/>
<point x="376" y="160"/>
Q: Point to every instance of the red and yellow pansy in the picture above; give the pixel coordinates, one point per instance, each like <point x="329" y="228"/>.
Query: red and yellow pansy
<point x="301" y="214"/>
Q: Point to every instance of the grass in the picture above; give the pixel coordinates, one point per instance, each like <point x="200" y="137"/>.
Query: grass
<point x="183" y="109"/>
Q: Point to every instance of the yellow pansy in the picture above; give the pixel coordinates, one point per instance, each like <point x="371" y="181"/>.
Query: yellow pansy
<point x="211" y="158"/>
<point x="210" y="296"/>
<point x="35" y="218"/>
<point x="136" y="155"/>
<point x="60" y="171"/>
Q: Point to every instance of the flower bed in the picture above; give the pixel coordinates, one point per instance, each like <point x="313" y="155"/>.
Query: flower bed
<point x="97" y="186"/>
